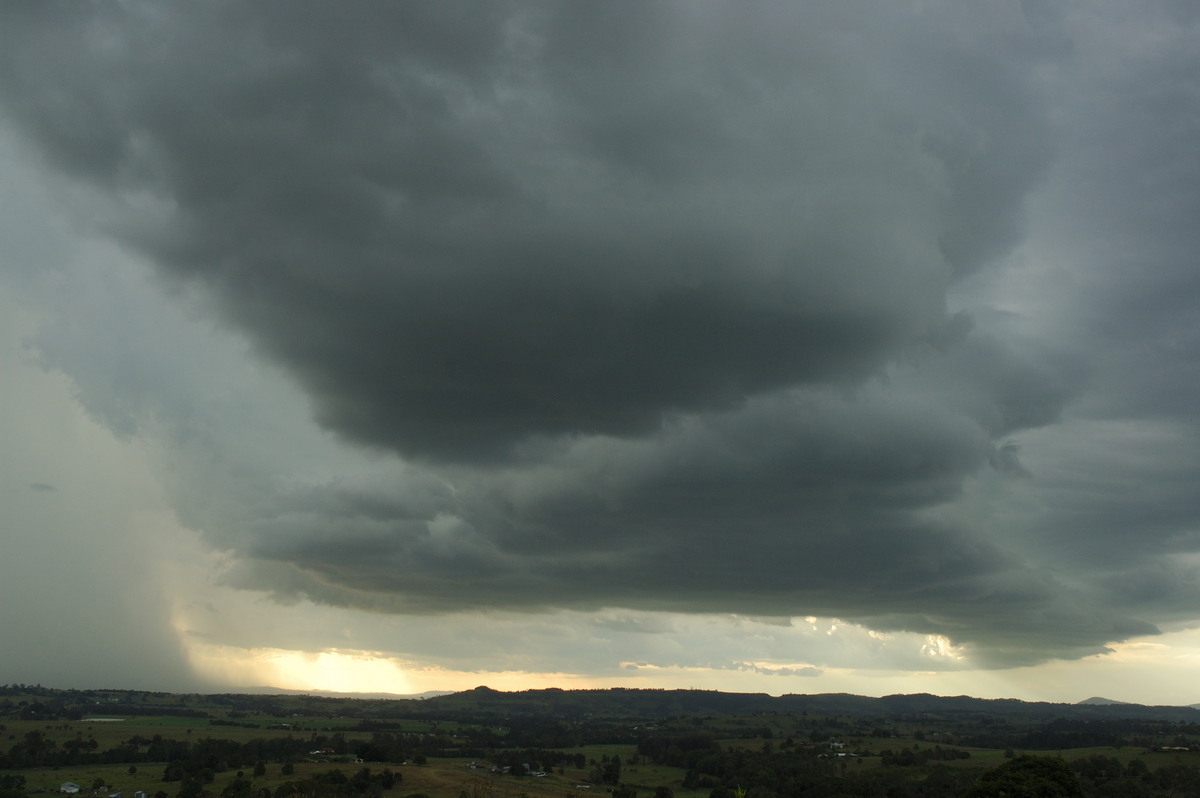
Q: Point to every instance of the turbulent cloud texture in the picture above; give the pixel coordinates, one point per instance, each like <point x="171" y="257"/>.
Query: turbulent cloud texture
<point x="884" y="312"/>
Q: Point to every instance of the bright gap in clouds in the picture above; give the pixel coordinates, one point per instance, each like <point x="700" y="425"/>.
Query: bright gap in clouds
<point x="358" y="672"/>
<point x="1120" y="674"/>
<point x="324" y="671"/>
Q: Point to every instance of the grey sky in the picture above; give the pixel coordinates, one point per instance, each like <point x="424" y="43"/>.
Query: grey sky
<point x="884" y="313"/>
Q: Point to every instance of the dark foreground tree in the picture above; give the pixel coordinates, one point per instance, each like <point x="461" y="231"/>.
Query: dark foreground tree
<point x="1028" y="777"/>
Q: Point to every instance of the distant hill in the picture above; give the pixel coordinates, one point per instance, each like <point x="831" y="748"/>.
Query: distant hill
<point x="1099" y="701"/>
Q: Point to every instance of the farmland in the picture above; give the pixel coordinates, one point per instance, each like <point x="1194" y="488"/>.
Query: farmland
<point x="655" y="744"/>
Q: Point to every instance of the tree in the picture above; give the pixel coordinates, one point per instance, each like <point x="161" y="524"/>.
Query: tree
<point x="611" y="771"/>
<point x="192" y="788"/>
<point x="238" y="788"/>
<point x="334" y="776"/>
<point x="12" y="785"/>
<point x="1028" y="777"/>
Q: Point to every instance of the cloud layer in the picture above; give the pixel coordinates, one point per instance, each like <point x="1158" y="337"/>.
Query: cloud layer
<point x="678" y="307"/>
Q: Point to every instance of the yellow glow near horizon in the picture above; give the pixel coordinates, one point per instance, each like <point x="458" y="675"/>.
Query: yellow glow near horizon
<point x="1157" y="669"/>
<point x="332" y="670"/>
<point x="1119" y="675"/>
<point x="341" y="671"/>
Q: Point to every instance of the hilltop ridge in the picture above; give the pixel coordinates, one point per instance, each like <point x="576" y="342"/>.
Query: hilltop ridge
<point x="622" y="702"/>
<point x="631" y="702"/>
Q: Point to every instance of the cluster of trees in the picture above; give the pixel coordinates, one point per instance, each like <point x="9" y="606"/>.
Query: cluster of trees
<point x="607" y="771"/>
<point x="330" y="784"/>
<point x="786" y="771"/>
<point x="35" y="749"/>
<point x="906" y="757"/>
<point x="12" y="785"/>
<point x="746" y="773"/>
<point x="1109" y="777"/>
<point x="59" y="708"/>
<point x="520" y="760"/>
<point x="798" y="771"/>
<point x="686" y="751"/>
<point x="474" y="740"/>
<point x="1062" y="733"/>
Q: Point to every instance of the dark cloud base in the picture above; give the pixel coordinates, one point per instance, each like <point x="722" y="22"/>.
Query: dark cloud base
<point x="651" y="299"/>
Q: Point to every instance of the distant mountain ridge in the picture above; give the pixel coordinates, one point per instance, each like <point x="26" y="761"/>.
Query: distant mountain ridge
<point x="616" y="703"/>
<point x="622" y="702"/>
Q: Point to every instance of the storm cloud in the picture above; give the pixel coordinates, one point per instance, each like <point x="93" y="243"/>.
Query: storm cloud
<point x="884" y="313"/>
